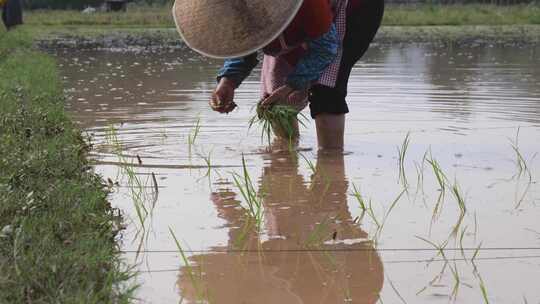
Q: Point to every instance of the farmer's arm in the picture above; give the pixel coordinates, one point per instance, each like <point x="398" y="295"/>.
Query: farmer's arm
<point x="231" y="75"/>
<point x="238" y="69"/>
<point x="321" y="52"/>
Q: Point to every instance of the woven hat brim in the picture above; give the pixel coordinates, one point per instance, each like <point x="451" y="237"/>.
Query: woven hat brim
<point x="232" y="28"/>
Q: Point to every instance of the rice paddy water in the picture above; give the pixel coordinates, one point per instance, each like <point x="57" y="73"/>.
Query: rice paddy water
<point x="452" y="215"/>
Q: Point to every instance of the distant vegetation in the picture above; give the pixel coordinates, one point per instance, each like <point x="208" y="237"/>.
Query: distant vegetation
<point x="159" y="16"/>
<point x="81" y="4"/>
<point x="460" y="14"/>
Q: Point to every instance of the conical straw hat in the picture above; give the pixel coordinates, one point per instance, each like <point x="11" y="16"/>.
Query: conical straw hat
<point x="232" y="28"/>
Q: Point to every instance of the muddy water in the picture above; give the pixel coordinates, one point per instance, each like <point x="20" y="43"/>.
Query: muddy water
<point x="313" y="242"/>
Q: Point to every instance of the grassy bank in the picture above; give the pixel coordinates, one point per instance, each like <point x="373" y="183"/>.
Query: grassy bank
<point x="411" y="15"/>
<point x="470" y="14"/>
<point x="57" y="239"/>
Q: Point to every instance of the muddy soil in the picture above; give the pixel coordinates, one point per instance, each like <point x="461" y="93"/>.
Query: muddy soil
<point x="519" y="36"/>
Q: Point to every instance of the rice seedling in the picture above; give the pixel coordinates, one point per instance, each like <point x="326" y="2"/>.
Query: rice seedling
<point x="193" y="134"/>
<point x="456" y="191"/>
<point x="254" y="201"/>
<point x="372" y="215"/>
<point x="439" y="247"/>
<point x="154" y="179"/>
<point x="143" y="201"/>
<point x="317" y="174"/>
<point x="436" y="278"/>
<point x="382" y="223"/>
<point x="475" y="233"/>
<point x="420" y="169"/>
<point x="356" y="193"/>
<point x="189" y="269"/>
<point x="392" y="206"/>
<point x="208" y="161"/>
<point x="453" y="268"/>
<point x="442" y="181"/>
<point x="402" y="151"/>
<point x="457" y="281"/>
<point x="473" y="258"/>
<point x="280" y="120"/>
<point x="520" y="162"/>
<point x="313" y="169"/>
<point x="522" y="169"/>
<point x="317" y="237"/>
<point x="310" y="164"/>
<point x="136" y="186"/>
<point x="519" y="198"/>
<point x="241" y="240"/>
<point x="461" y="238"/>
<point x="396" y="290"/>
<point x="483" y="288"/>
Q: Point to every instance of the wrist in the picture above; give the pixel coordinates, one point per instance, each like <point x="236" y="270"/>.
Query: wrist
<point x="224" y="81"/>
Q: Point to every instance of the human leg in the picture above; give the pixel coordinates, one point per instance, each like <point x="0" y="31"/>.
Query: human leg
<point x="12" y="14"/>
<point x="330" y="131"/>
<point x="328" y="105"/>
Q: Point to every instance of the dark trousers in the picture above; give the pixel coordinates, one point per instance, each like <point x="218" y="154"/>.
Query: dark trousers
<point x="12" y="13"/>
<point x="362" y="25"/>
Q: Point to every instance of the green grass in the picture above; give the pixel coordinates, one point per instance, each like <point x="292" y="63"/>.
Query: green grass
<point x="405" y="15"/>
<point x="59" y="241"/>
<point x="137" y="16"/>
<point x="461" y="14"/>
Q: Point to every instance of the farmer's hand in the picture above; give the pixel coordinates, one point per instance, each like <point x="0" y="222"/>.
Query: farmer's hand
<point x="286" y="95"/>
<point x="223" y="97"/>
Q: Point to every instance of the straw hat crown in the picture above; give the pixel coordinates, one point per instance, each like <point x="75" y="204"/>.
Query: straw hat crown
<point x="232" y="28"/>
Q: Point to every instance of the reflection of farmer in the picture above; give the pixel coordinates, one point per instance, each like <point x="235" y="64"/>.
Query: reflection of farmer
<point x="310" y="46"/>
<point x="11" y="13"/>
<point x="297" y="261"/>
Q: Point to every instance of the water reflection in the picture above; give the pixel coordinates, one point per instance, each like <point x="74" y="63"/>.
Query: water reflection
<point x="313" y="251"/>
<point x="155" y="100"/>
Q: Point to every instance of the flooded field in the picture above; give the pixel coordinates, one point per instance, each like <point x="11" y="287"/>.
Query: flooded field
<point x="436" y="198"/>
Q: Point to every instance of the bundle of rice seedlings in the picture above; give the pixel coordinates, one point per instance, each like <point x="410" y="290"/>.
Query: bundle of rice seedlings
<point x="281" y="120"/>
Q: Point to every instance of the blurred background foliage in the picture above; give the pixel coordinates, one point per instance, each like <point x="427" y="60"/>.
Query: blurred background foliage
<point x="81" y="4"/>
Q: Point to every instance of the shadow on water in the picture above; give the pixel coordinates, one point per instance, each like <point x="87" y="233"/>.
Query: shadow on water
<point x="297" y="261"/>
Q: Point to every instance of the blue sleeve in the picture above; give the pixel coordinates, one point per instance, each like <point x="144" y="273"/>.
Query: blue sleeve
<point x="321" y="53"/>
<point x="238" y="69"/>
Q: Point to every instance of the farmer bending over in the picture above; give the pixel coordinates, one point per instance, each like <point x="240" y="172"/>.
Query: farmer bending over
<point x="309" y="46"/>
<point x="11" y="13"/>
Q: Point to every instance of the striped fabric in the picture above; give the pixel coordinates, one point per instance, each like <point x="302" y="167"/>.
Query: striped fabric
<point x="330" y="75"/>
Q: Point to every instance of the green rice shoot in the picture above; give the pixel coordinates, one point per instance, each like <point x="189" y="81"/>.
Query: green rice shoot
<point x="280" y="119"/>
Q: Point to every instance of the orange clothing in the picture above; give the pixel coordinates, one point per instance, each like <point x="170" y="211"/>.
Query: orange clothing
<point x="312" y="21"/>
